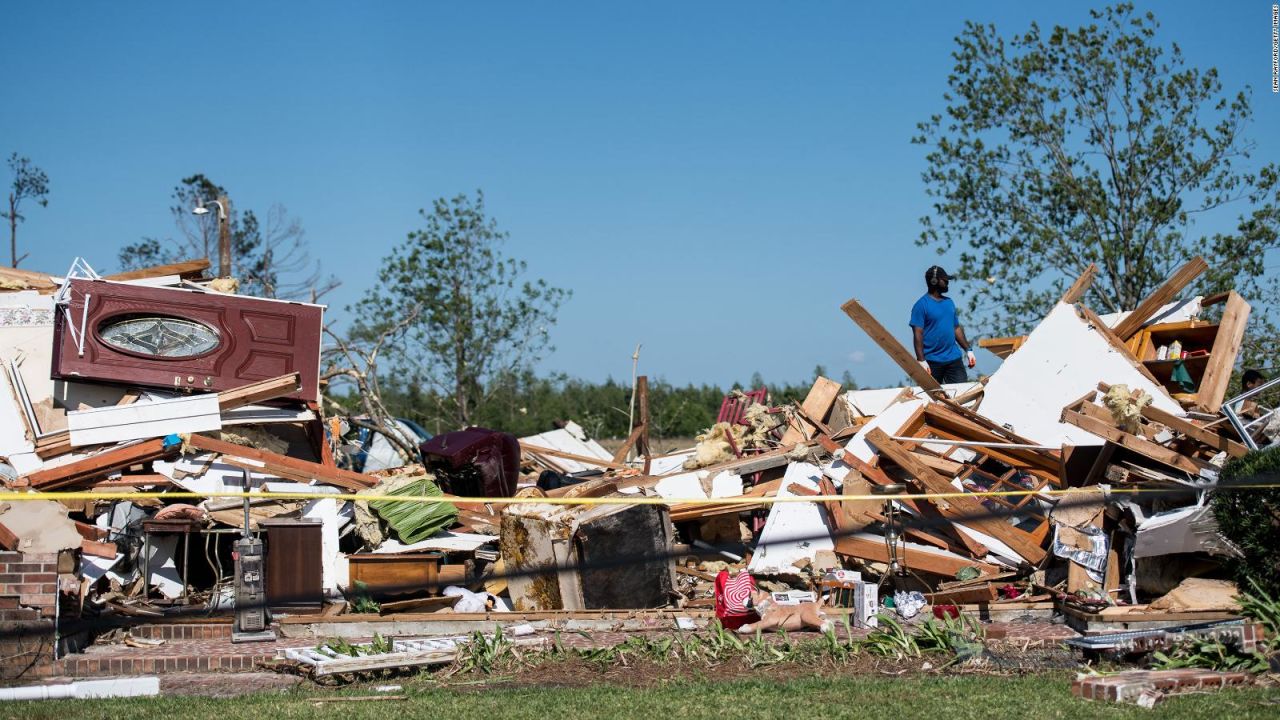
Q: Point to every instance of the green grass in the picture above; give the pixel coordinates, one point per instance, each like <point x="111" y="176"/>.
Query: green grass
<point x="898" y="698"/>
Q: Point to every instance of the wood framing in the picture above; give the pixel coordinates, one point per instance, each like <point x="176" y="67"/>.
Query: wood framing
<point x="1222" y="358"/>
<point x="1160" y="297"/>
<point x="1184" y="426"/>
<point x="920" y="561"/>
<point x="1114" y="340"/>
<point x="817" y="405"/>
<point x="967" y="510"/>
<point x="1075" y="416"/>
<point x="620" y="457"/>
<point x="886" y="341"/>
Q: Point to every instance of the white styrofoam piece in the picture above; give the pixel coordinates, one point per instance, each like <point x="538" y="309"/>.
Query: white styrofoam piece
<point x="873" y="401"/>
<point x="684" y="485"/>
<point x="445" y="540"/>
<point x="666" y="464"/>
<point x="92" y="567"/>
<point x="1061" y="360"/>
<point x="726" y="484"/>
<point x="794" y="531"/>
<point x="138" y="421"/>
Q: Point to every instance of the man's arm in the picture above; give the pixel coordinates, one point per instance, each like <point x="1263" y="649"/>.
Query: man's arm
<point x="963" y="341"/>
<point x="918" y="333"/>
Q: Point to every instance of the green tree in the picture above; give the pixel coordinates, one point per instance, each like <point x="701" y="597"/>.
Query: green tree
<point x="1097" y="144"/>
<point x="269" y="257"/>
<point x="29" y="183"/>
<point x="478" y="322"/>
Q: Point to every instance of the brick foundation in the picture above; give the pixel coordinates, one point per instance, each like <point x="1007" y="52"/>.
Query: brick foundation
<point x="28" y="586"/>
<point x="28" y="608"/>
<point x="1130" y="685"/>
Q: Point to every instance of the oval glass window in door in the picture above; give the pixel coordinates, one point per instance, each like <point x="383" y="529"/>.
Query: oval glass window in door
<point x="158" y="336"/>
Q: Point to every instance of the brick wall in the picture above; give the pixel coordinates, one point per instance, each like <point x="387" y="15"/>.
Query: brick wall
<point x="28" y="596"/>
<point x="28" y="586"/>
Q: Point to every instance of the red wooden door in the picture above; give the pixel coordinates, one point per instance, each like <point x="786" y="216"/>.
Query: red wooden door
<point x="187" y="339"/>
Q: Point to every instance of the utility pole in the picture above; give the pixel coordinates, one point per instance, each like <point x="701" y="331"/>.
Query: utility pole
<point x="224" y="238"/>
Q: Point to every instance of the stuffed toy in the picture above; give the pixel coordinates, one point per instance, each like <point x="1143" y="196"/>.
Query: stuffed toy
<point x="804" y="616"/>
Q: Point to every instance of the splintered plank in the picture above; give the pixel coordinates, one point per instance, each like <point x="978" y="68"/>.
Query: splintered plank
<point x="260" y="391"/>
<point x="817" y="405"/>
<point x="886" y="341"/>
<point x="1222" y="357"/>
<point x="185" y="269"/>
<point x="966" y="510"/>
<point x="1076" y="292"/>
<point x="1160" y="297"/>
<point x="99" y="465"/>
<point x="284" y="466"/>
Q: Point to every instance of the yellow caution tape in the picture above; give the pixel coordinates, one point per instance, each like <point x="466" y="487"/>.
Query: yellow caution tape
<point x="733" y="500"/>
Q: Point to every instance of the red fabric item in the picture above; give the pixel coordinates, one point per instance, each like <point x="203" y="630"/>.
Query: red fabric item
<point x="731" y="599"/>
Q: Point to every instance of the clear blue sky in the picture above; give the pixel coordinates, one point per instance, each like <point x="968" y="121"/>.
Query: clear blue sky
<point x="711" y="179"/>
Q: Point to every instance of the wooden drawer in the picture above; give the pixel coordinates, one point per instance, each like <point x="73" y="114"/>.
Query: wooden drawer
<point x="391" y="575"/>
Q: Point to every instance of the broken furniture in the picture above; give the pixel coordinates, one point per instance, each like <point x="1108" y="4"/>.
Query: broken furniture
<point x="475" y="462"/>
<point x="295" y="579"/>
<point x="384" y="575"/>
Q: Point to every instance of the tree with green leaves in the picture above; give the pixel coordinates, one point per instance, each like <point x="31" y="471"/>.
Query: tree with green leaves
<point x="476" y="319"/>
<point x="1096" y="144"/>
<point x="29" y="183"/>
<point x="270" y="259"/>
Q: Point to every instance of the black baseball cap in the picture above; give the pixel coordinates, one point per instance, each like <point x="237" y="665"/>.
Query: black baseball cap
<point x="935" y="274"/>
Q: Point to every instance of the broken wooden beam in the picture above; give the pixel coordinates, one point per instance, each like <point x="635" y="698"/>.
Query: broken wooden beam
<point x="186" y="269"/>
<point x="1184" y="426"/>
<point x="100" y="465"/>
<point x="1140" y="445"/>
<point x="1160" y="297"/>
<point x="815" y="408"/>
<point x="1222" y="356"/>
<point x="284" y="466"/>
<point x="934" y="563"/>
<point x="260" y="391"/>
<point x="1076" y="292"/>
<point x="886" y="341"/>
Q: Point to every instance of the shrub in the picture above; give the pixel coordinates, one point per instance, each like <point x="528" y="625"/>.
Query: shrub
<point x="1250" y="518"/>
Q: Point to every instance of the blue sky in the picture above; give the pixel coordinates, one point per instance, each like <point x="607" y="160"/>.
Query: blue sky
<point x="711" y="179"/>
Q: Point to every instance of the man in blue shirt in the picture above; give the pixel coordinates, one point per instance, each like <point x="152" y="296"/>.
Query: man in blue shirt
<point x="938" y="334"/>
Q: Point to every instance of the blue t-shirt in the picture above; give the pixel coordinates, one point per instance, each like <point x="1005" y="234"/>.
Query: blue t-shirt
<point x="938" y="319"/>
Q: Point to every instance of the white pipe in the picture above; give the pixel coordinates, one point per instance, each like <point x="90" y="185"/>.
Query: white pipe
<point x="85" y="689"/>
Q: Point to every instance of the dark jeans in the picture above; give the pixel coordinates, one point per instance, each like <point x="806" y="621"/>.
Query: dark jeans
<point x="949" y="372"/>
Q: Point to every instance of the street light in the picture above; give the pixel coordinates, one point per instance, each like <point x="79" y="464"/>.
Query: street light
<point x="224" y="232"/>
